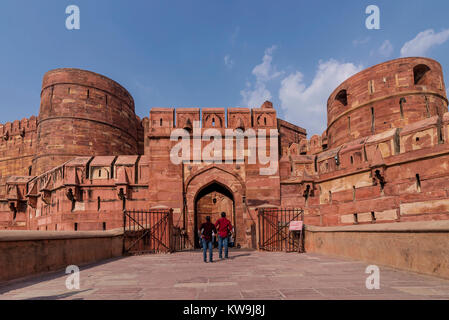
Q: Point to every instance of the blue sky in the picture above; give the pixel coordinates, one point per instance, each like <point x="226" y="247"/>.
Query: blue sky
<point x="213" y="53"/>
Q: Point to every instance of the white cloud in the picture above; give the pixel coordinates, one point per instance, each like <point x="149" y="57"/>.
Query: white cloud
<point x="265" y="71"/>
<point x="235" y="35"/>
<point x="386" y="49"/>
<point x="255" y="95"/>
<point x="228" y="61"/>
<point x="358" y="42"/>
<point x="423" y="42"/>
<point x="307" y="105"/>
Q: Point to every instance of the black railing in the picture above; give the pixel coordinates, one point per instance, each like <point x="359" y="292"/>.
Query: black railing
<point x="148" y="231"/>
<point x="274" y="230"/>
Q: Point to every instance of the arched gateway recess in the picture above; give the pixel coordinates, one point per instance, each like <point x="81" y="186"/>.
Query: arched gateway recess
<point x="211" y="200"/>
<point x="225" y="182"/>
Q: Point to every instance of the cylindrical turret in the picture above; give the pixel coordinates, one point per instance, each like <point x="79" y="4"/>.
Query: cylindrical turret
<point x="83" y="114"/>
<point x="388" y="95"/>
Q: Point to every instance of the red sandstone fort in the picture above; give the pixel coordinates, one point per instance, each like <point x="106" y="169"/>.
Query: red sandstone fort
<point x="384" y="157"/>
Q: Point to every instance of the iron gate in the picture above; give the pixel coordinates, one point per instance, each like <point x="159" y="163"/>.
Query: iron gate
<point x="148" y="231"/>
<point x="274" y="230"/>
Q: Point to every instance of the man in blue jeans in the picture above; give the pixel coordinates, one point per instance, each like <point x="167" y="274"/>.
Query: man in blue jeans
<point x="206" y="230"/>
<point x="224" y="228"/>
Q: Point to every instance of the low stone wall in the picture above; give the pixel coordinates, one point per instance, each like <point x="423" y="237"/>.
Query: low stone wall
<point x="25" y="253"/>
<point x="413" y="246"/>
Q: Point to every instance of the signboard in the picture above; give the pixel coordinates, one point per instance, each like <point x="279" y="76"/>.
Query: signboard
<point x="295" y="226"/>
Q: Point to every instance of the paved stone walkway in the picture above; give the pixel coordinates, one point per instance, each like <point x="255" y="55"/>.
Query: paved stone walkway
<point x="247" y="275"/>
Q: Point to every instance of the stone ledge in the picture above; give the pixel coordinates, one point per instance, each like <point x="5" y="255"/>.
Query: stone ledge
<point x="421" y="226"/>
<point x="12" y="235"/>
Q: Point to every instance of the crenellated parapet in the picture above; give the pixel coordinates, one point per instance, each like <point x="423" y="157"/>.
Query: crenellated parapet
<point x="18" y="128"/>
<point x="237" y="118"/>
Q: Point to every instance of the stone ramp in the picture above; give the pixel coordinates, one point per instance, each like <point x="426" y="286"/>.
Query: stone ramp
<point x="246" y="275"/>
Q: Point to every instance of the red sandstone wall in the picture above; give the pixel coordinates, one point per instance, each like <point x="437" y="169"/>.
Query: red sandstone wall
<point x="83" y="113"/>
<point x="289" y="134"/>
<point x="27" y="253"/>
<point x="412" y="184"/>
<point x="95" y="184"/>
<point x="18" y="142"/>
<point x="418" y="247"/>
<point x="244" y="181"/>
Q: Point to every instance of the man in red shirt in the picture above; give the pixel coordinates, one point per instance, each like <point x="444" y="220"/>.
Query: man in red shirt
<point x="224" y="228"/>
<point x="205" y="231"/>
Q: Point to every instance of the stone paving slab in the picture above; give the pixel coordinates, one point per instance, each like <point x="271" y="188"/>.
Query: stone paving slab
<point x="246" y="275"/>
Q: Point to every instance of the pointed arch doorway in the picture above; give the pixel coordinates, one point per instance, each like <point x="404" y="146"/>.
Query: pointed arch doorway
<point x="226" y="184"/>
<point x="212" y="200"/>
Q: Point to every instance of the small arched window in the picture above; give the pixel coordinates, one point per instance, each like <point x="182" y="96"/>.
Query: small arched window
<point x="342" y="97"/>
<point x="419" y="73"/>
<point x="160" y="122"/>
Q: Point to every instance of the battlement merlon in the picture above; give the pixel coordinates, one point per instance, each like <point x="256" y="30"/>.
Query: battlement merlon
<point x="161" y="119"/>
<point x="19" y="127"/>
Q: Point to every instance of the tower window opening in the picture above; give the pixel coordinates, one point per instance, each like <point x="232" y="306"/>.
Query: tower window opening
<point x="76" y="226"/>
<point x="372" y="120"/>
<point x="98" y="204"/>
<point x="373" y="216"/>
<point x="356" y="218"/>
<point x="352" y="160"/>
<point x="418" y="183"/>
<point x="419" y="72"/>
<point x="371" y="86"/>
<point x="104" y="226"/>
<point x="88" y="93"/>
<point x="213" y="122"/>
<point x="160" y="122"/>
<point x="401" y="107"/>
<point x="342" y="97"/>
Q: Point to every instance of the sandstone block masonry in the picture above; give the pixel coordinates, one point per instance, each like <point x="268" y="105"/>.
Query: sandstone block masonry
<point x="383" y="158"/>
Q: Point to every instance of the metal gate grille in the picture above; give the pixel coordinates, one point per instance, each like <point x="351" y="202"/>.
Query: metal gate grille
<point x="274" y="230"/>
<point x="148" y="231"/>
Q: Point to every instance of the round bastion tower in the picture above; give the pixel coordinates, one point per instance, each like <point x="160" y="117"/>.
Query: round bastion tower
<point x="83" y="114"/>
<point x="385" y="96"/>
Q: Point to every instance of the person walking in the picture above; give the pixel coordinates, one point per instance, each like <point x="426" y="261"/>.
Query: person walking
<point x="206" y="231"/>
<point x="224" y="228"/>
